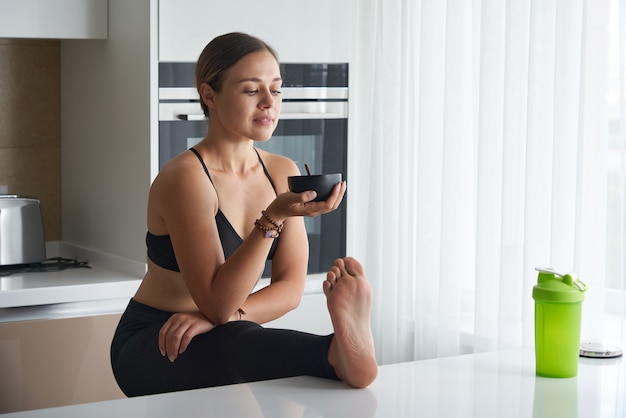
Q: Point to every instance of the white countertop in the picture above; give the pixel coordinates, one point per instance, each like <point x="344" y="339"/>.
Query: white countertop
<point x="68" y="293"/>
<point x="104" y="288"/>
<point x="496" y="384"/>
<point x="70" y="285"/>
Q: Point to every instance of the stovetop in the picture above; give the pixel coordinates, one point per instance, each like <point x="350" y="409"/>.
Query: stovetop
<point x="49" y="265"/>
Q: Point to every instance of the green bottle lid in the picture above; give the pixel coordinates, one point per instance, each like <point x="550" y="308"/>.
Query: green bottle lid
<point x="558" y="288"/>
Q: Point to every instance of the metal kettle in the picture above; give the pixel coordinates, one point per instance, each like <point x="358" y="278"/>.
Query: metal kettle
<point x="21" y="231"/>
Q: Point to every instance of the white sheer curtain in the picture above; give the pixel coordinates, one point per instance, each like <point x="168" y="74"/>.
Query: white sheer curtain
<point x="482" y="130"/>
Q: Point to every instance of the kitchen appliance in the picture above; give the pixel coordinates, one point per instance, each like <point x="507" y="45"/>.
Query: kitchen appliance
<point x="21" y="231"/>
<point x="313" y="130"/>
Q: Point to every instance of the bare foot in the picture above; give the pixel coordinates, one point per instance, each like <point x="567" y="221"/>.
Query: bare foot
<point x="349" y="299"/>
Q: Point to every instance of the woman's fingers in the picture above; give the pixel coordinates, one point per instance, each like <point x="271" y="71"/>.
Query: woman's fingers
<point x="179" y="330"/>
<point x="311" y="208"/>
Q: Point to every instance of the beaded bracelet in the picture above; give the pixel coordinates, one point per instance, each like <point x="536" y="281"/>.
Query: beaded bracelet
<point x="273" y="222"/>
<point x="270" y="232"/>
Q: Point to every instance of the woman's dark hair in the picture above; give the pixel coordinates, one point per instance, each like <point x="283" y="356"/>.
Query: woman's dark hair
<point x="222" y="53"/>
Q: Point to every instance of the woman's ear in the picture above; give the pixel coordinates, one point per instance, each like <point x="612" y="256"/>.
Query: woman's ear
<point x="207" y="95"/>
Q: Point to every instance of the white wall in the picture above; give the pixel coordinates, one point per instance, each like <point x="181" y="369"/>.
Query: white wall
<point x="107" y="98"/>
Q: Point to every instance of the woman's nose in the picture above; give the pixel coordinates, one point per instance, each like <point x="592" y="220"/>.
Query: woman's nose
<point x="267" y="99"/>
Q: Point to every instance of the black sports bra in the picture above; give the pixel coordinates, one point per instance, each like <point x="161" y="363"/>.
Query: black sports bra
<point x="160" y="249"/>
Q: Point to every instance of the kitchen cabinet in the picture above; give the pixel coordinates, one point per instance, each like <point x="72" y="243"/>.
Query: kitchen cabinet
<point x="55" y="19"/>
<point x="56" y="362"/>
<point x="300" y="31"/>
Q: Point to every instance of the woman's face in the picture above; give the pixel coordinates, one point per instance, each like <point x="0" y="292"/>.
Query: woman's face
<point x="249" y="102"/>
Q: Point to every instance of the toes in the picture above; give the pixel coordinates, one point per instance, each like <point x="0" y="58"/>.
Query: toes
<point x="327" y="287"/>
<point x="344" y="267"/>
<point x="331" y="279"/>
<point x="353" y="267"/>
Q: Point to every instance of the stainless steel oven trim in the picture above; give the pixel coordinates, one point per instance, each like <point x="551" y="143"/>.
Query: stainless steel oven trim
<point x="290" y="110"/>
<point x="287" y="93"/>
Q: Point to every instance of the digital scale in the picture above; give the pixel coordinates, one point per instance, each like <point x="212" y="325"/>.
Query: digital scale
<point x="600" y="349"/>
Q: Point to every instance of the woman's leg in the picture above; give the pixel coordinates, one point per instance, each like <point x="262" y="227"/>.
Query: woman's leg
<point x="350" y="351"/>
<point x="243" y="351"/>
<point x="234" y="352"/>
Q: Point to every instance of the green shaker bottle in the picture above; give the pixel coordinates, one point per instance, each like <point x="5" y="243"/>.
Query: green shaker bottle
<point x="558" y="307"/>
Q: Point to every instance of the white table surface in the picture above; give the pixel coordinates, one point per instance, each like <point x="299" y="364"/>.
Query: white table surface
<point x="496" y="384"/>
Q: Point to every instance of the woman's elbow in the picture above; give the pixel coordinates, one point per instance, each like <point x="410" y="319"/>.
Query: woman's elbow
<point x="217" y="317"/>
<point x="221" y="318"/>
<point x="292" y="303"/>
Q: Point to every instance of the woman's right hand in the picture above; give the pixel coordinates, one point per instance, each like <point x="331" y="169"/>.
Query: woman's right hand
<point x="301" y="204"/>
<point x="178" y="331"/>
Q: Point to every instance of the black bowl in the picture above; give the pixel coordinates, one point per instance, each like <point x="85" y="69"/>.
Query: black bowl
<point x="322" y="183"/>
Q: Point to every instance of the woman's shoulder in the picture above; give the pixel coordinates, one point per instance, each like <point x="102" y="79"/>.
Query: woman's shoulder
<point x="181" y="184"/>
<point x="181" y="171"/>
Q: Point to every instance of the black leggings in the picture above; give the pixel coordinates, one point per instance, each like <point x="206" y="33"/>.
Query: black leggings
<point x="235" y="352"/>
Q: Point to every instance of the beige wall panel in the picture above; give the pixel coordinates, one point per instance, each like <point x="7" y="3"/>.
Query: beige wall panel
<point x="30" y="125"/>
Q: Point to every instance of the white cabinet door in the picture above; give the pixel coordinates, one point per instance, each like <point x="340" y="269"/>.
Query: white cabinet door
<point x="299" y="30"/>
<point x="53" y="19"/>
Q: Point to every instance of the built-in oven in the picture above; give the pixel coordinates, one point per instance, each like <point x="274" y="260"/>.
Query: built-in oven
<point x="313" y="129"/>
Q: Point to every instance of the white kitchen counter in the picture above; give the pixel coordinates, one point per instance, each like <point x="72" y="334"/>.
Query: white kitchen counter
<point x="105" y="288"/>
<point x="70" y="285"/>
<point x="67" y="293"/>
<point x="497" y="384"/>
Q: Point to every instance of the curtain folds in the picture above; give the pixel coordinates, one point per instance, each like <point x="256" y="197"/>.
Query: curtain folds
<point x="483" y="132"/>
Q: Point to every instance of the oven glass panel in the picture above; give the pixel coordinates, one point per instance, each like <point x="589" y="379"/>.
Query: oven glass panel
<point x="320" y="143"/>
<point x="322" y="146"/>
<point x="178" y="136"/>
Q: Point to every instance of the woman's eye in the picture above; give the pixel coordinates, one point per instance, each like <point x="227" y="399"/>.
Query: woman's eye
<point x="256" y="91"/>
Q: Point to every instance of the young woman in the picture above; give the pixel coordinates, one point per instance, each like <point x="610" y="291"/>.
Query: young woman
<point x="216" y="213"/>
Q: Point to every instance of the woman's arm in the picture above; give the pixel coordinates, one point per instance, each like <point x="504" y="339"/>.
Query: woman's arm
<point x="188" y="203"/>
<point x="289" y="264"/>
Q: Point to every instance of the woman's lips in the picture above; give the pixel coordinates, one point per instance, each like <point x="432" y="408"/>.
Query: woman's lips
<point x="265" y="120"/>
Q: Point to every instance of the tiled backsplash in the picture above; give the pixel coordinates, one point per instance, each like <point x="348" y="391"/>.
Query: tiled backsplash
<point x="30" y="125"/>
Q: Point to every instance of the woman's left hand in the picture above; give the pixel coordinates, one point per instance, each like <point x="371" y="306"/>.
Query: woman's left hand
<point x="176" y="334"/>
<point x="302" y="204"/>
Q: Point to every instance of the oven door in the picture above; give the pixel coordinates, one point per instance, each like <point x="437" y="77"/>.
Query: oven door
<point x="322" y="144"/>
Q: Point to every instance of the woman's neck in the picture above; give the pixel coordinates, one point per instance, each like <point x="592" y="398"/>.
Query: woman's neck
<point x="225" y="155"/>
